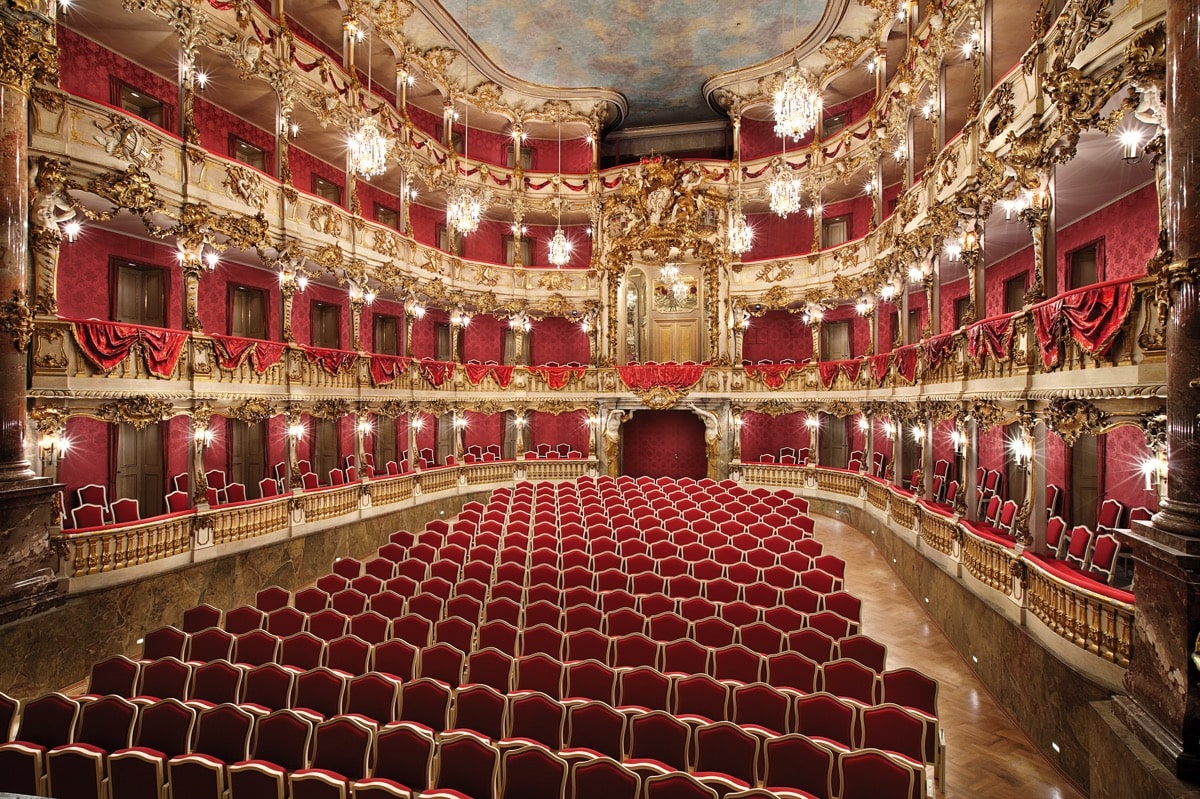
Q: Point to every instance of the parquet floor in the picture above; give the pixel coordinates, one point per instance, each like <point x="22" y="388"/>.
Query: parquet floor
<point x="988" y="756"/>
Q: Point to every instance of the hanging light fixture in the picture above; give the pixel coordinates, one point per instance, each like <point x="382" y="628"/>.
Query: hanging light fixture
<point x="798" y="101"/>
<point x="741" y="235"/>
<point x="560" y="248"/>
<point x="465" y="208"/>
<point x="785" y="190"/>
<point x="369" y="146"/>
<point x="798" y="104"/>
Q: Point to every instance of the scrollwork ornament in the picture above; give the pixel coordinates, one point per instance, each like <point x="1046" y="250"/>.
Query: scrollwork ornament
<point x="139" y="411"/>
<point x="1074" y="418"/>
<point x="253" y="411"/>
<point x="16" y="319"/>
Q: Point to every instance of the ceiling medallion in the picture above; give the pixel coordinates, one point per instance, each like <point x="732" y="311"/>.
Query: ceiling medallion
<point x="785" y="190"/>
<point x="797" y="104"/>
<point x="369" y="147"/>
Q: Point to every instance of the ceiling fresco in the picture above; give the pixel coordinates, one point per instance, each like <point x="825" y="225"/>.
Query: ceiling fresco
<point x="657" y="54"/>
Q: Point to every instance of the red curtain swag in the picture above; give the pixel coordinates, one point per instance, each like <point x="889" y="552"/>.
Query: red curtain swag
<point x="906" y="362"/>
<point x="436" y="372"/>
<point x="106" y="344"/>
<point x="991" y="337"/>
<point x="879" y="366"/>
<point x="232" y="352"/>
<point x="386" y="368"/>
<point x="332" y="361"/>
<point x="938" y="350"/>
<point x="645" y="376"/>
<point x="772" y="375"/>
<point x="477" y="372"/>
<point x="558" y="376"/>
<point x="1093" y="316"/>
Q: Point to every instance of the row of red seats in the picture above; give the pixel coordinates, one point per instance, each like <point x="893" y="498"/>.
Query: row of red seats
<point x="114" y="747"/>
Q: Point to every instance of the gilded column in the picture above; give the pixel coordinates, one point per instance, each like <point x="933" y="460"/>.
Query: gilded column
<point x="1163" y="679"/>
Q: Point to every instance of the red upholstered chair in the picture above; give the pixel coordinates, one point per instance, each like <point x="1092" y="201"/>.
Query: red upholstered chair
<point x="762" y="638"/>
<point x="467" y="764"/>
<point x="532" y="772"/>
<point x="792" y="671"/>
<point x="349" y="654"/>
<point x="849" y="679"/>
<point x="209" y="644"/>
<point x="456" y="632"/>
<point x="661" y="737"/>
<point x="826" y="717"/>
<point x="686" y="656"/>
<point x="542" y="639"/>
<point x="442" y="662"/>
<point x="404" y="758"/>
<point x="482" y="709"/>
<point x="1056" y="539"/>
<point x="164" y="730"/>
<point x="871" y="773"/>
<point x="737" y="663"/>
<point x="762" y="709"/>
<point x="320" y="692"/>
<point x="77" y="769"/>
<point x="865" y="650"/>
<point x="125" y="511"/>
<point x="722" y="590"/>
<point x="92" y="494"/>
<point x="371" y="626"/>
<point x="272" y="598"/>
<point x="216" y="683"/>
<point x="222" y="738"/>
<point x="635" y="649"/>
<point x="1111" y="516"/>
<point x="46" y="722"/>
<point x="177" y="501"/>
<point x="701" y="699"/>
<point x="642" y="689"/>
<point x="539" y="672"/>
<point x="88" y="515"/>
<point x="341" y="754"/>
<point x="374" y="696"/>
<point x="714" y="632"/>
<point x="590" y="680"/>
<point x="833" y="624"/>
<point x="604" y="778"/>
<point x="268" y="687"/>
<point x="596" y="728"/>
<point x="1103" y="561"/>
<point x="413" y="628"/>
<point x="310" y="600"/>
<point x="282" y="744"/>
<point x="165" y="678"/>
<point x="396" y="659"/>
<point x="117" y="675"/>
<point x="897" y="730"/>
<point x="655" y="603"/>
<point x="256" y="647"/>
<point x="668" y="626"/>
<point x="302" y="650"/>
<point x="1080" y="546"/>
<point x="426" y="702"/>
<point x="726" y="748"/>
<point x="801" y="763"/>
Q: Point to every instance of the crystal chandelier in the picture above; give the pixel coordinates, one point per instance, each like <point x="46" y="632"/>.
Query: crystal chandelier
<point x="785" y="190"/>
<point x="369" y="148"/>
<point x="797" y="104"/>
<point x="560" y="248"/>
<point x="741" y="235"/>
<point x="464" y="211"/>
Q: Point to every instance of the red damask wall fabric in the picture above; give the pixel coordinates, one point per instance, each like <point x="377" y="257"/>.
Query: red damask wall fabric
<point x="558" y="340"/>
<point x="776" y="336"/>
<point x="663" y="444"/>
<point x="566" y="428"/>
<point x="762" y="433"/>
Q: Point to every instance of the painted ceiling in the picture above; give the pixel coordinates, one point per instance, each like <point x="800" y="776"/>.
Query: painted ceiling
<point x="657" y="54"/>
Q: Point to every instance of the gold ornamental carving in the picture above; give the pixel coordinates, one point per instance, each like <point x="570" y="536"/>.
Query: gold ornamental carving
<point x="774" y="272"/>
<point x="132" y="189"/>
<point x="137" y="411"/>
<point x="1074" y="418"/>
<point x="50" y="420"/>
<point x="330" y="409"/>
<point x="16" y="319"/>
<point x="28" y="54"/>
<point x="555" y="280"/>
<point x="123" y="138"/>
<point x="253" y="411"/>
<point x="661" y="398"/>
<point x="246" y="185"/>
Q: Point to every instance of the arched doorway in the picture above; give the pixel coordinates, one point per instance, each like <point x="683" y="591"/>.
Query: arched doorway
<point x="664" y="444"/>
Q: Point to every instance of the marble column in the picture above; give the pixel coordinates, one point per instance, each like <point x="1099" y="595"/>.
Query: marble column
<point x="28" y="509"/>
<point x="1163" y="680"/>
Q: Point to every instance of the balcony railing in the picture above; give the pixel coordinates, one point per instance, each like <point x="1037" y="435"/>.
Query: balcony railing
<point x="1085" y="612"/>
<point x="93" y="551"/>
<point x="65" y="358"/>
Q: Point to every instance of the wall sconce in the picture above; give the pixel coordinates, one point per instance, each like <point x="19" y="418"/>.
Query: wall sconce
<point x="414" y="308"/>
<point x="863" y="424"/>
<point x="71" y="230"/>
<point x="889" y="429"/>
<point x="970" y="45"/>
<point x="1021" y="450"/>
<point x="918" y="433"/>
<point x="459" y="318"/>
<point x="1154" y="468"/>
<point x="53" y="447"/>
<point x="204" y="437"/>
<point x="1131" y="146"/>
<point x="970" y="241"/>
<point x="460" y="422"/>
<point x="592" y="422"/>
<point x="887" y="292"/>
<point x="958" y="439"/>
<point x="813" y="422"/>
<point x="365" y="427"/>
<point x="953" y="250"/>
<point x="520" y="321"/>
<point x="293" y="278"/>
<point x="361" y="294"/>
<point x="738" y="421"/>
<point x="519" y="421"/>
<point x="417" y="423"/>
<point x="296" y="431"/>
<point x="863" y="307"/>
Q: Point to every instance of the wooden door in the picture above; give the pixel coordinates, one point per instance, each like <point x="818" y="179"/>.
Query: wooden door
<point x="442" y="353"/>
<point x="326" y="325"/>
<point x="385" y="338"/>
<point x="836" y="340"/>
<point x="833" y="446"/>
<point x="1085" y="480"/>
<point x="445" y="437"/>
<point x="140" y="298"/>
<point x="675" y="340"/>
<point x="247" y="312"/>
<point x="1085" y="268"/>
<point x="385" y="441"/>
<point x="247" y="454"/>
<point x="140" y="467"/>
<point x="325" y="449"/>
